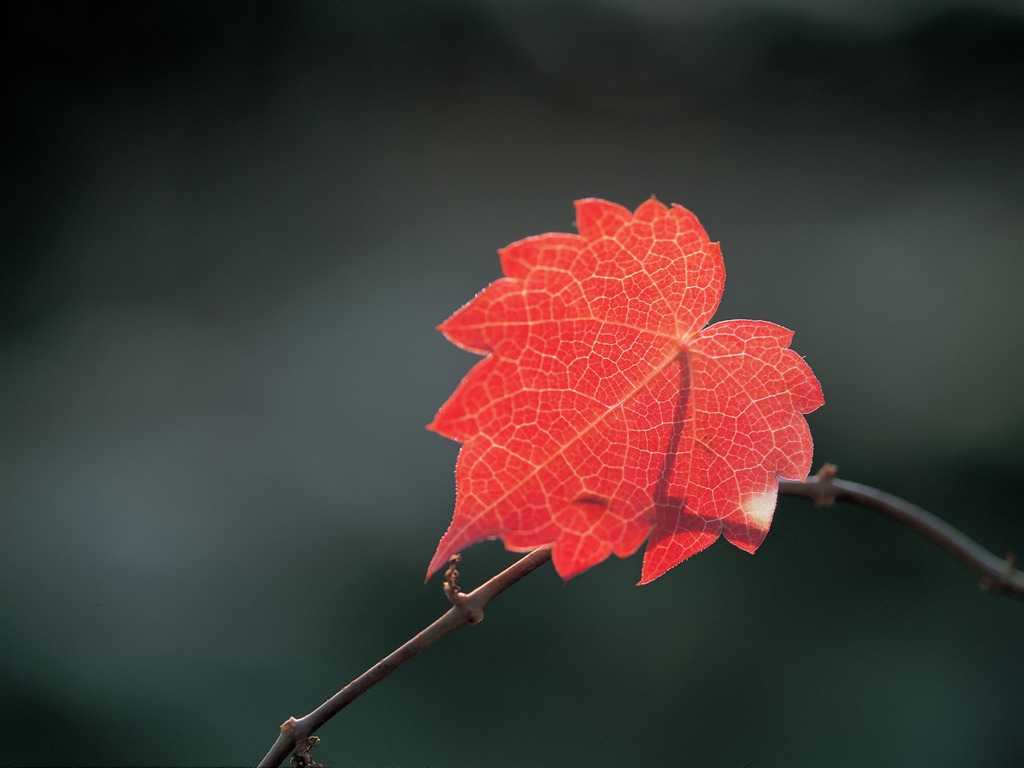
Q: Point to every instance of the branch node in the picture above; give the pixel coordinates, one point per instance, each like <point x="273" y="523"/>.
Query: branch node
<point x="824" y="492"/>
<point x="302" y="758"/>
<point x="451" y="581"/>
<point x="827" y="473"/>
<point x="473" y="609"/>
<point x="1002" y="582"/>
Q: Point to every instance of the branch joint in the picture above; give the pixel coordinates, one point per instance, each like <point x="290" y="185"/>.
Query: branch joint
<point x="302" y="758"/>
<point x="451" y="581"/>
<point x="825" y="493"/>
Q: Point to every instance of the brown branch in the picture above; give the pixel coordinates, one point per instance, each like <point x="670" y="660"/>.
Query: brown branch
<point x="997" y="574"/>
<point x="467" y="609"/>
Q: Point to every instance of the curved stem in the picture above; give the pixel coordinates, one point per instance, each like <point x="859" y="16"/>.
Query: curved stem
<point x="466" y="609"/>
<point x="997" y="574"/>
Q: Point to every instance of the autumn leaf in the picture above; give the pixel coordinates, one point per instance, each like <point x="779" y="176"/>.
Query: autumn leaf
<point x="605" y="413"/>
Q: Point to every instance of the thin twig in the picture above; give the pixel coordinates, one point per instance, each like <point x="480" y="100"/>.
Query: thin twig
<point x="997" y="574"/>
<point x="466" y="609"/>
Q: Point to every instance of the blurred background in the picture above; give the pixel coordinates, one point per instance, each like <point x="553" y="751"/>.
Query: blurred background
<point x="229" y="230"/>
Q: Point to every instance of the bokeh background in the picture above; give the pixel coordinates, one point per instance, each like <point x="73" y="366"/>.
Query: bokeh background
<point x="229" y="230"/>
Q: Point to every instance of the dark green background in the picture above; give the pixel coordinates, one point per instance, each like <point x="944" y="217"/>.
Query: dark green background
<point x="229" y="231"/>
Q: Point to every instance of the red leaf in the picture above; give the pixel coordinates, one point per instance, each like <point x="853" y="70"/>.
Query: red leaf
<point x="605" y="413"/>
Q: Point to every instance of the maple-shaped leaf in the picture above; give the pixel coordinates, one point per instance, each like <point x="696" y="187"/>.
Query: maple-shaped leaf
<point x="605" y="413"/>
